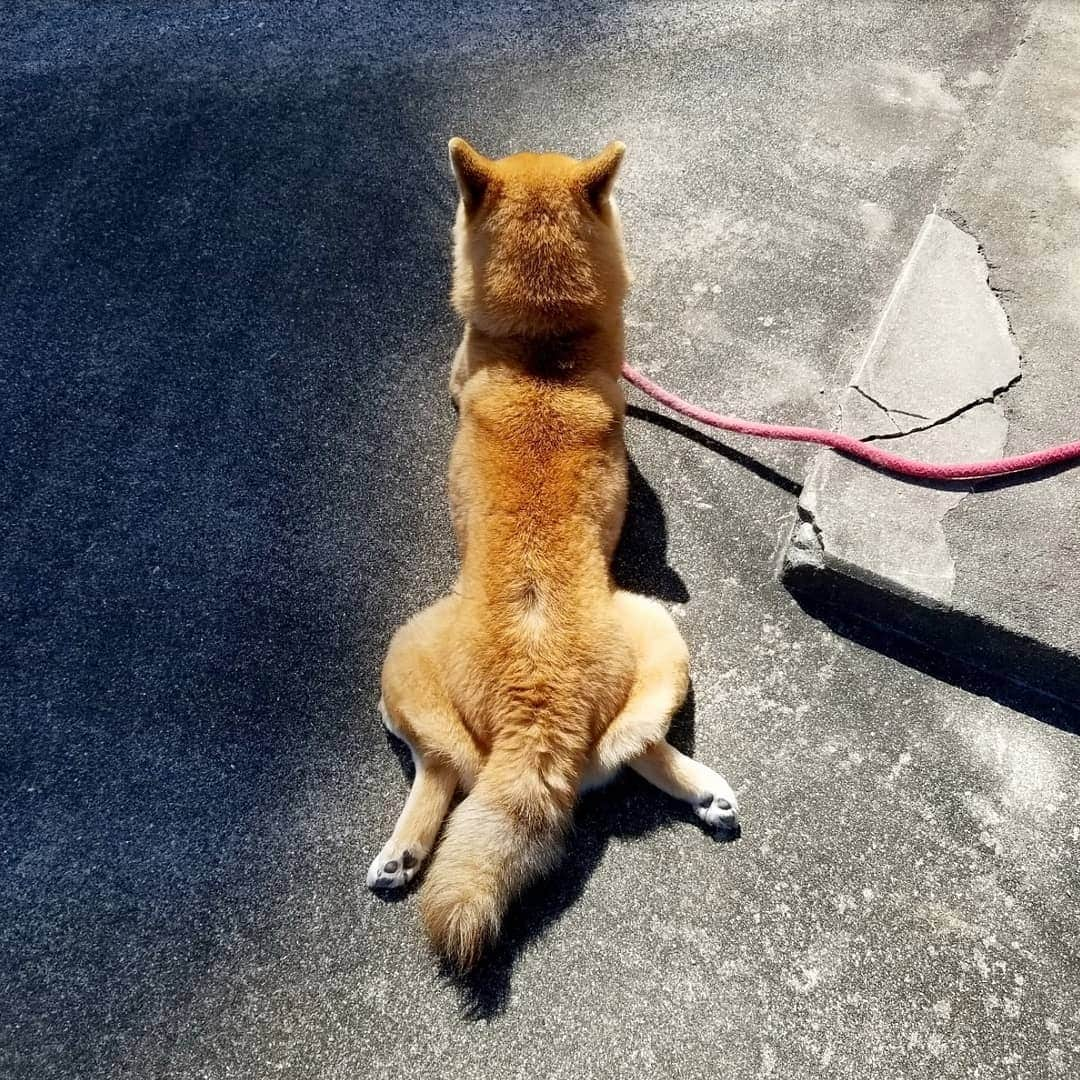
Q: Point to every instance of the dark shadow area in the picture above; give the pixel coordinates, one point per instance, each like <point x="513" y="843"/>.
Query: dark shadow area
<point x="749" y="463"/>
<point x="640" y="564"/>
<point x="207" y="377"/>
<point x="928" y="641"/>
<point x="223" y="351"/>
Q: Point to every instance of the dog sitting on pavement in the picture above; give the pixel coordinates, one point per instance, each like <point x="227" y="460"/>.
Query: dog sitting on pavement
<point x="536" y="677"/>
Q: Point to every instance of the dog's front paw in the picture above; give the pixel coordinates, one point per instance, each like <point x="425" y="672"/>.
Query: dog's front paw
<point x="393" y="868"/>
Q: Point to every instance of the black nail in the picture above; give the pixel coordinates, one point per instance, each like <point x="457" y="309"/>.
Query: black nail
<point x="390" y="867"/>
<point x="408" y="859"/>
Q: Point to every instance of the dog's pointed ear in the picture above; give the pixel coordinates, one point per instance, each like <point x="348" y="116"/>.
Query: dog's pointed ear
<point x="598" y="173"/>
<point x="472" y="171"/>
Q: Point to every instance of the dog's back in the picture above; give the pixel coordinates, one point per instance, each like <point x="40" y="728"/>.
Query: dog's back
<point x="535" y="677"/>
<point x="538" y="487"/>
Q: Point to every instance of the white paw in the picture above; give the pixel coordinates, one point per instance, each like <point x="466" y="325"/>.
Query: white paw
<point x="393" y="868"/>
<point x="718" y="806"/>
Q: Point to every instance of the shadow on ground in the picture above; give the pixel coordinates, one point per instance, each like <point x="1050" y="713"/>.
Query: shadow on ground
<point x="641" y="564"/>
<point x="748" y="462"/>
<point x="882" y="634"/>
<point x="207" y="365"/>
<point x="938" y="664"/>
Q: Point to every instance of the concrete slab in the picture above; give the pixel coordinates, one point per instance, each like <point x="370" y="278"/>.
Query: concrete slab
<point x="1017" y="548"/>
<point x="989" y="572"/>
<point x="942" y="319"/>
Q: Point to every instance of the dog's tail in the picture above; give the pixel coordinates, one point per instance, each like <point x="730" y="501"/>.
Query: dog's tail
<point x="506" y="834"/>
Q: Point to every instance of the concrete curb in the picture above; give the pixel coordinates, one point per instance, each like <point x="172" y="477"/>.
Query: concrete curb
<point x="972" y="638"/>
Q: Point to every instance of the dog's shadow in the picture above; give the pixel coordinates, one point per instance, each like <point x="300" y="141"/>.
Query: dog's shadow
<point x="641" y="561"/>
<point x="627" y="809"/>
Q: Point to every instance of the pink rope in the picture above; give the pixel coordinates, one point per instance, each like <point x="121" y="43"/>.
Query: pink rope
<point x="846" y="444"/>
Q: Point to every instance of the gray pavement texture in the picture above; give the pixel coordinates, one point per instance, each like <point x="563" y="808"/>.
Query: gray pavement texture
<point x="975" y="357"/>
<point x="225" y="338"/>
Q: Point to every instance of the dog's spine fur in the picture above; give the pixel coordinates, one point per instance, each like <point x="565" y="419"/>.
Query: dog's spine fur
<point x="506" y="834"/>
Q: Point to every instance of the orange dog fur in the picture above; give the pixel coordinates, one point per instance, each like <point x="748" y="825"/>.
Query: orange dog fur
<point x="536" y="677"/>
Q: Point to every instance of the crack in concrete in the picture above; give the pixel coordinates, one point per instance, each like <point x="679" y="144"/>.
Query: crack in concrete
<point x="889" y="411"/>
<point x="913" y="415"/>
<point x="873" y="401"/>
<point x="1001" y="294"/>
<point x="990" y="400"/>
<point x="882" y="530"/>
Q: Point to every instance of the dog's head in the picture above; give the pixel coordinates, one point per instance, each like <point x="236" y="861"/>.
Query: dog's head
<point x="538" y="248"/>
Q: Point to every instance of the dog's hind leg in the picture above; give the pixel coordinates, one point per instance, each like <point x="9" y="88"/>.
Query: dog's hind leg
<point x="661" y="679"/>
<point x="416" y="829"/>
<point x="636" y="737"/>
<point x="416" y="709"/>
<point x="683" y="778"/>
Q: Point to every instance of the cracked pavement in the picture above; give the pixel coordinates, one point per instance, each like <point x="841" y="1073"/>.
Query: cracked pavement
<point x="225" y="338"/>
<point x="943" y="378"/>
<point x="943" y="345"/>
<point x="943" y="351"/>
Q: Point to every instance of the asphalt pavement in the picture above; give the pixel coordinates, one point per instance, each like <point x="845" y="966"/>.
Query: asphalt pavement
<point x="224" y="342"/>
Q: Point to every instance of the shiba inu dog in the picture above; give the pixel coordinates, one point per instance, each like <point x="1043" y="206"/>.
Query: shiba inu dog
<point x="536" y="677"/>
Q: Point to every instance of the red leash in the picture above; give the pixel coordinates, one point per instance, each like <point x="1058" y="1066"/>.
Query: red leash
<point x="863" y="451"/>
